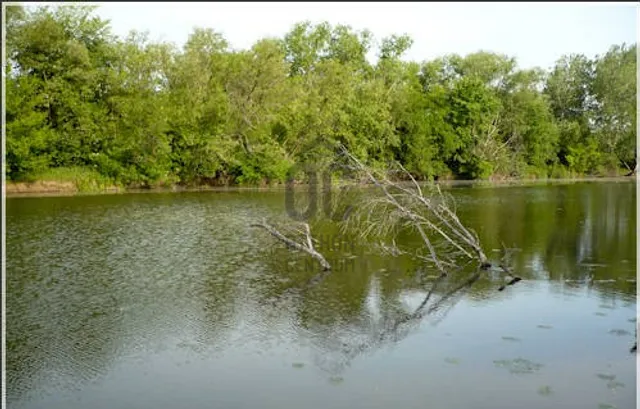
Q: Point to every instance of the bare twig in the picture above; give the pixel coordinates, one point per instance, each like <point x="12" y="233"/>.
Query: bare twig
<point x="308" y="248"/>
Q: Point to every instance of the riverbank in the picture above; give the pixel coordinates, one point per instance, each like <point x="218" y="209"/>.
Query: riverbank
<point x="55" y="188"/>
<point x="66" y="188"/>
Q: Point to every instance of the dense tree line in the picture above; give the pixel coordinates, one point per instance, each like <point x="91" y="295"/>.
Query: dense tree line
<point x="137" y="112"/>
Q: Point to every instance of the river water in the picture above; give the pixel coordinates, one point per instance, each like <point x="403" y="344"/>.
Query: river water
<point x="174" y="300"/>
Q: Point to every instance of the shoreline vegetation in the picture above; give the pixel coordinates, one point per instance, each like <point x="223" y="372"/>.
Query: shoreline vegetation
<point x="88" y="111"/>
<point x="69" y="188"/>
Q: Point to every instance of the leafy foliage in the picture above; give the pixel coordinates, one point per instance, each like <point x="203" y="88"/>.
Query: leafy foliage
<point x="145" y="113"/>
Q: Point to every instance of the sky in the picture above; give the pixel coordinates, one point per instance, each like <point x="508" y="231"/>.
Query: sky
<point x="537" y="34"/>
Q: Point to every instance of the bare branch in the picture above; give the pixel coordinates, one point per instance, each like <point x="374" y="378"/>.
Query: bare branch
<point x="405" y="211"/>
<point x="308" y="234"/>
<point x="412" y="179"/>
<point x="297" y="246"/>
<point x="427" y="213"/>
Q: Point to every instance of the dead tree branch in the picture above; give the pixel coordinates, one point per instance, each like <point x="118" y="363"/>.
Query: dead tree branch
<point x="406" y="212"/>
<point x="306" y="247"/>
<point x="425" y="209"/>
<point x="429" y="214"/>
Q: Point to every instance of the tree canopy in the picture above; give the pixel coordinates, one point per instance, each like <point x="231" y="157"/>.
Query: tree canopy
<point x="147" y="113"/>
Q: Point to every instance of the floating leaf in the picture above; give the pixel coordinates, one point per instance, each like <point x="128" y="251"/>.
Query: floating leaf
<point x="606" y="377"/>
<point x="518" y="365"/>
<point x="606" y="406"/>
<point x="545" y="390"/>
<point x="336" y="380"/>
<point x="619" y="332"/>
<point x="298" y="365"/>
<point x="613" y="385"/>
<point x="600" y="314"/>
<point x="543" y="326"/>
<point x="512" y="339"/>
<point x="454" y="361"/>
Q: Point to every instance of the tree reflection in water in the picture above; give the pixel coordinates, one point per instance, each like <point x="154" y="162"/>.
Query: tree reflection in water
<point x="339" y="344"/>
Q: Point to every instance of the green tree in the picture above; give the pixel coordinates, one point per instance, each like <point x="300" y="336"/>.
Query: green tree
<point x="146" y="113"/>
<point x="568" y="89"/>
<point x="256" y="88"/>
<point x="614" y="114"/>
<point x="474" y="112"/>
<point x="527" y="124"/>
<point x="201" y="151"/>
<point x="138" y="111"/>
<point x="56" y="56"/>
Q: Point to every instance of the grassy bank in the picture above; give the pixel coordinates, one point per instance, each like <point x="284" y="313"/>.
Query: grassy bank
<point x="72" y="181"/>
<point x="63" y="181"/>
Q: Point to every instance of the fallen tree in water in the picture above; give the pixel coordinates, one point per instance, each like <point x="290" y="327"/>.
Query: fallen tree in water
<point x="449" y="245"/>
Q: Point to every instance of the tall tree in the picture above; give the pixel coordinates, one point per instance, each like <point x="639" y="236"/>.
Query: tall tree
<point x="568" y="89"/>
<point x="615" y="115"/>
